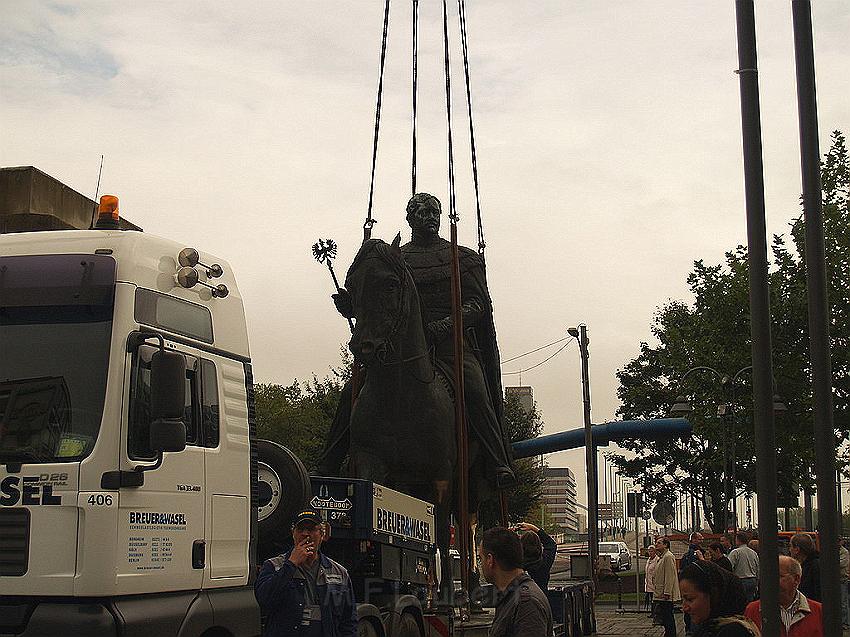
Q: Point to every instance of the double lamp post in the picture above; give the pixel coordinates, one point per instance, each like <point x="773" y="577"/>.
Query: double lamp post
<point x="726" y="411"/>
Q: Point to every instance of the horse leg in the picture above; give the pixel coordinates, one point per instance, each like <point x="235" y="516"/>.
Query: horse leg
<point x="475" y="592"/>
<point x="366" y="465"/>
<point x="442" y="518"/>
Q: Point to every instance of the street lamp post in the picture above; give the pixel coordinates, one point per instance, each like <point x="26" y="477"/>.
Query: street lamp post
<point x="580" y="334"/>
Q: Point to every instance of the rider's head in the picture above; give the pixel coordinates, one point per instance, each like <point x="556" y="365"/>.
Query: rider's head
<point x="423" y="215"/>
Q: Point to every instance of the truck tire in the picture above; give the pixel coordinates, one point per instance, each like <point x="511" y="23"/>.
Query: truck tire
<point x="365" y="628"/>
<point x="284" y="487"/>
<point x="408" y="626"/>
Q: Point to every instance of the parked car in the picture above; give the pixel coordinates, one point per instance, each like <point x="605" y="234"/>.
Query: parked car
<point x="618" y="555"/>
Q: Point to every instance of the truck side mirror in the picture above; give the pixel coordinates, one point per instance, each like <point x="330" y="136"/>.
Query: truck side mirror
<point x="168" y="435"/>
<point x="168" y="399"/>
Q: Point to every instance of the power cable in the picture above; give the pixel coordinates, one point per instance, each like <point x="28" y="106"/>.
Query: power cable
<point x="545" y="360"/>
<point x="560" y="340"/>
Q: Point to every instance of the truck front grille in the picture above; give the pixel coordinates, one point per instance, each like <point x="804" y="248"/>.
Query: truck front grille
<point x="14" y="541"/>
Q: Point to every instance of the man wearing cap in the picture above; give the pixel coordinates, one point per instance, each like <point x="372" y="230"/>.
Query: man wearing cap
<point x="304" y="593"/>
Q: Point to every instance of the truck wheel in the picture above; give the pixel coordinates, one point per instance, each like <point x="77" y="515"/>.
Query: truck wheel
<point x="284" y="487"/>
<point x="408" y="626"/>
<point x="365" y="628"/>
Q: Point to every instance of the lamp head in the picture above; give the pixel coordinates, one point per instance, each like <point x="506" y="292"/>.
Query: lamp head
<point x="681" y="407"/>
<point x="779" y="407"/>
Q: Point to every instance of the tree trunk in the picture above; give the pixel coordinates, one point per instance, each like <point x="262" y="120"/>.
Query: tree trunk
<point x="714" y="514"/>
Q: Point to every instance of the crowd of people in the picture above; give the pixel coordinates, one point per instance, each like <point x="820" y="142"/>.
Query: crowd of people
<point x="717" y="586"/>
<point x="303" y="593"/>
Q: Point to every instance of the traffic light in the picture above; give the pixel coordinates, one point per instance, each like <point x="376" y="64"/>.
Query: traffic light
<point x="634" y="505"/>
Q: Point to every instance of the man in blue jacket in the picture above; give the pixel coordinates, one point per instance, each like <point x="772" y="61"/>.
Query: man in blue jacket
<point x="304" y="593"/>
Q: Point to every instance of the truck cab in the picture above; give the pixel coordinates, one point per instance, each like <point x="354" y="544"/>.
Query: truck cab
<point x="100" y="531"/>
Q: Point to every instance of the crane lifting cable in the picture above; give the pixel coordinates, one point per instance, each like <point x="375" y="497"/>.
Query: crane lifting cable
<point x="370" y="220"/>
<point x="367" y="225"/>
<point x="462" y="433"/>
<point x="414" y="73"/>
<point x="461" y="9"/>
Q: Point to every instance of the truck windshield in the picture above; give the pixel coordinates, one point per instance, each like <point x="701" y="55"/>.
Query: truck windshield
<point x="55" y="327"/>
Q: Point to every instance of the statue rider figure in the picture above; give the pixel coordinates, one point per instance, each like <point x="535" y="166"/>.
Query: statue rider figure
<point x="428" y="256"/>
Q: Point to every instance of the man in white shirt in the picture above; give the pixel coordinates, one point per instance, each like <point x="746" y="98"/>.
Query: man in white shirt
<point x="745" y="564"/>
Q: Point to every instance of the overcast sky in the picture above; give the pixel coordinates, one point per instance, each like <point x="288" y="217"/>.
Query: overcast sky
<point x="608" y="138"/>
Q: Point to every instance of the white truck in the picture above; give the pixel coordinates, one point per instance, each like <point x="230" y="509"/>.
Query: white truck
<point x="135" y="498"/>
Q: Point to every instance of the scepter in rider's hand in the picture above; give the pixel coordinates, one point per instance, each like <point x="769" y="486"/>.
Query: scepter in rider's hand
<point x="324" y="251"/>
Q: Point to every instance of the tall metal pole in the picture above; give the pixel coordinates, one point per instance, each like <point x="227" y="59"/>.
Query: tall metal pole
<point x="808" y="521"/>
<point x="732" y="406"/>
<point x="604" y="491"/>
<point x="637" y="550"/>
<point x="759" y="318"/>
<point x="824" y="437"/>
<point x="460" y="418"/>
<point x="590" y="457"/>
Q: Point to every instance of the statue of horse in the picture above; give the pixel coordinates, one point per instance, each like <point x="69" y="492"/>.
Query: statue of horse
<point x="402" y="431"/>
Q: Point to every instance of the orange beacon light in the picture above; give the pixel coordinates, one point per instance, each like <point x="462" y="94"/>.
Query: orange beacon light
<point x="107" y="213"/>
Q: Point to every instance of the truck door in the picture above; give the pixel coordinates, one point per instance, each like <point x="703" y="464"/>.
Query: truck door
<point x="228" y="485"/>
<point x="161" y="523"/>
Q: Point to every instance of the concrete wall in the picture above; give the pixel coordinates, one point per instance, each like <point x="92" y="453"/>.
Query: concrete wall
<point x="33" y="200"/>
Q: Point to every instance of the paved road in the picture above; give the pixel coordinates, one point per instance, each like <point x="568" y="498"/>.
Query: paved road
<point x="611" y="622"/>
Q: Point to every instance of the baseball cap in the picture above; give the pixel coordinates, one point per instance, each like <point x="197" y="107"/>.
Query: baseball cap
<point x="307" y="515"/>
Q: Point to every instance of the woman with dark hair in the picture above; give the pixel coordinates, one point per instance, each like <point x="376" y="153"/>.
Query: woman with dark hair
<point x="715" y="600"/>
<point x="538" y="553"/>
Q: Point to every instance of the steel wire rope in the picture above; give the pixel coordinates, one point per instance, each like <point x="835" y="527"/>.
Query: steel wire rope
<point x="545" y="360"/>
<point x="461" y="9"/>
<point x="415" y="72"/>
<point x="367" y="225"/>
<point x="452" y="203"/>
<point x="560" y="340"/>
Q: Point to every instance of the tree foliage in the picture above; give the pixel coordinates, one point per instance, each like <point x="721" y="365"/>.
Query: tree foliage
<point x="714" y="331"/>
<point x="299" y="415"/>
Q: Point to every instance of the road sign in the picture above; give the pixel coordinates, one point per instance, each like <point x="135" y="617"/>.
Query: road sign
<point x="618" y="509"/>
<point x="662" y="513"/>
<point x="606" y="511"/>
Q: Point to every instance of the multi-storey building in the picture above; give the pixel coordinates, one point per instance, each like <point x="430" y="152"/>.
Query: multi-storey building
<point x="559" y="496"/>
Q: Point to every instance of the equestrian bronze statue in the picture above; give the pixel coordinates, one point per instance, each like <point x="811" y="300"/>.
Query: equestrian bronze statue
<point x="380" y="347"/>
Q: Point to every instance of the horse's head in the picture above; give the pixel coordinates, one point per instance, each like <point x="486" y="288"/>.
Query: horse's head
<point x="380" y="287"/>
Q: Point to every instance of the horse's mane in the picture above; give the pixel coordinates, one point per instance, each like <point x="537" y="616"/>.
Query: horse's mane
<point x="376" y="248"/>
<point x="381" y="250"/>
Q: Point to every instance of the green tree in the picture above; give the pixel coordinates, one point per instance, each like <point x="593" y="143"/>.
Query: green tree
<point x="714" y="331"/>
<point x="299" y="415"/>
